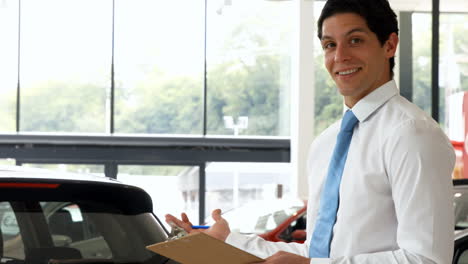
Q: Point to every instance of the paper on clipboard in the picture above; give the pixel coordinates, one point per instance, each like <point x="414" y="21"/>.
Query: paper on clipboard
<point x="200" y="248"/>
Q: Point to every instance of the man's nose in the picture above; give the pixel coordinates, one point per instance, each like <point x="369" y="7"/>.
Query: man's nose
<point x="342" y="53"/>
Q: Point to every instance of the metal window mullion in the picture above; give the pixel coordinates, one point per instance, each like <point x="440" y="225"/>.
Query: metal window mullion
<point x="112" y="91"/>
<point x="201" y="193"/>
<point x="111" y="170"/>
<point x="435" y="59"/>
<point x="205" y="87"/>
<point x="18" y="91"/>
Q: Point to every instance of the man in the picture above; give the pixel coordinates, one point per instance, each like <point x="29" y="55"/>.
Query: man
<point x="380" y="179"/>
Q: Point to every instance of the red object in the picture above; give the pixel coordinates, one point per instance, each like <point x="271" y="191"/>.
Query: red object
<point x="281" y="232"/>
<point x="458" y="171"/>
<point x="29" y="185"/>
<point x="462" y="147"/>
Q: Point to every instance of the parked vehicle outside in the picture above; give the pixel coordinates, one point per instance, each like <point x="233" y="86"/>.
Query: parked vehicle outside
<point x="54" y="217"/>
<point x="274" y="220"/>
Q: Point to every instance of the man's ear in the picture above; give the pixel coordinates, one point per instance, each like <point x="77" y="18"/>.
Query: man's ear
<point x="391" y="45"/>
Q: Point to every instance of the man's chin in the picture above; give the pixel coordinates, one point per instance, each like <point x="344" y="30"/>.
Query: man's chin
<point x="347" y="90"/>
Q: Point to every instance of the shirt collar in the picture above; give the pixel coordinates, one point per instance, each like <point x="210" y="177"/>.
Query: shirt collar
<point x="371" y="102"/>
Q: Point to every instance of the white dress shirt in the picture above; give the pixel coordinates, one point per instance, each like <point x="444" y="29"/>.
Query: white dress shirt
<point x="396" y="202"/>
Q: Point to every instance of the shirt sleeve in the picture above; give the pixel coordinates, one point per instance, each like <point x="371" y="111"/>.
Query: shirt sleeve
<point x="261" y="248"/>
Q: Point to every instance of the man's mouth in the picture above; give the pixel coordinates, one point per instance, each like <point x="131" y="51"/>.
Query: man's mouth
<point x="348" y="72"/>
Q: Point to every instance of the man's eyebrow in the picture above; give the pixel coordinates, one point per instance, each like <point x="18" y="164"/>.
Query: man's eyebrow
<point x="362" y="30"/>
<point x="325" y="37"/>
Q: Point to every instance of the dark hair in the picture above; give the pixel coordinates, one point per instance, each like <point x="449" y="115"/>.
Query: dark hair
<point x="378" y="14"/>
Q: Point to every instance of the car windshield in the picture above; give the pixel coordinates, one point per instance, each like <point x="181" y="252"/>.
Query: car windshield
<point x="36" y="232"/>
<point x="259" y="217"/>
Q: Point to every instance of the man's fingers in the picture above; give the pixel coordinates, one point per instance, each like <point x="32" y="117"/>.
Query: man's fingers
<point x="185" y="218"/>
<point x="173" y="219"/>
<point x="170" y="218"/>
<point x="216" y="214"/>
<point x="185" y="225"/>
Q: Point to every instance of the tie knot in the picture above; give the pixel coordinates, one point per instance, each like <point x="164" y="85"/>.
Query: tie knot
<point x="349" y="121"/>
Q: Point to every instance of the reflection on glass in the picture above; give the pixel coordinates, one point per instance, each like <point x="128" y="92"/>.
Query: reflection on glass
<point x="8" y="64"/>
<point x="66" y="49"/>
<point x="173" y="189"/>
<point x="249" y="47"/>
<point x="97" y="170"/>
<point x="159" y="56"/>
<point x="232" y="185"/>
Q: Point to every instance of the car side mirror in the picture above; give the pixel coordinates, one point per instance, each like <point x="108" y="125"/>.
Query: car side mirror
<point x="299" y="234"/>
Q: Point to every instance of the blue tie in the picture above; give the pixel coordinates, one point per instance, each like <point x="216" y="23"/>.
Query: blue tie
<point x="329" y="198"/>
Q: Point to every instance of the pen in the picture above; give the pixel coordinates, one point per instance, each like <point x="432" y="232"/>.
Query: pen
<point x="200" y="227"/>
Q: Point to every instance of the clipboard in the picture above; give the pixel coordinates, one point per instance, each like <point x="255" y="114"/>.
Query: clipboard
<point x="200" y="248"/>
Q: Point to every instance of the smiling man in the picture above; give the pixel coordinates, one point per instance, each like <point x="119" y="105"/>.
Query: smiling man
<point x="354" y="56"/>
<point x="379" y="179"/>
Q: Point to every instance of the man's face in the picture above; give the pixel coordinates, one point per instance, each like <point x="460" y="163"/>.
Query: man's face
<point x="354" y="57"/>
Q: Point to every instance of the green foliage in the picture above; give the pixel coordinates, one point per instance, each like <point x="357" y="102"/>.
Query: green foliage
<point x="7" y="162"/>
<point x="328" y="101"/>
<point x="61" y="106"/>
<point x="238" y="89"/>
<point x="8" y="111"/>
<point x="252" y="81"/>
<point x="160" y="106"/>
<point x="422" y="91"/>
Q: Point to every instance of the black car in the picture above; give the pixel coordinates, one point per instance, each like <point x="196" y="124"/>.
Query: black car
<point x="461" y="221"/>
<point x="51" y="217"/>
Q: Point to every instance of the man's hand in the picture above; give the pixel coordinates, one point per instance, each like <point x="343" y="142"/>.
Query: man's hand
<point x="285" y="257"/>
<point x="219" y="230"/>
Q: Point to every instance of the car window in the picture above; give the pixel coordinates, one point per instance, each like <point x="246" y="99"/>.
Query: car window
<point x="461" y="208"/>
<point x="13" y="247"/>
<point x="70" y="227"/>
<point x="38" y="231"/>
<point x="463" y="259"/>
<point x="298" y="224"/>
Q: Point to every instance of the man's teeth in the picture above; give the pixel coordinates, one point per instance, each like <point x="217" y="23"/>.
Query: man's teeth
<point x="348" y="72"/>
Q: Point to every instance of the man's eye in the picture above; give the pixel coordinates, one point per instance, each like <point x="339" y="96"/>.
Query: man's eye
<point x="356" y="40"/>
<point x="328" y="45"/>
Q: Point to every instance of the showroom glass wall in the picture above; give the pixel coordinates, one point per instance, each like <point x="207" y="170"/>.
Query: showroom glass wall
<point x="8" y="65"/>
<point x="185" y="69"/>
<point x="64" y="65"/>
<point x="117" y="68"/>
